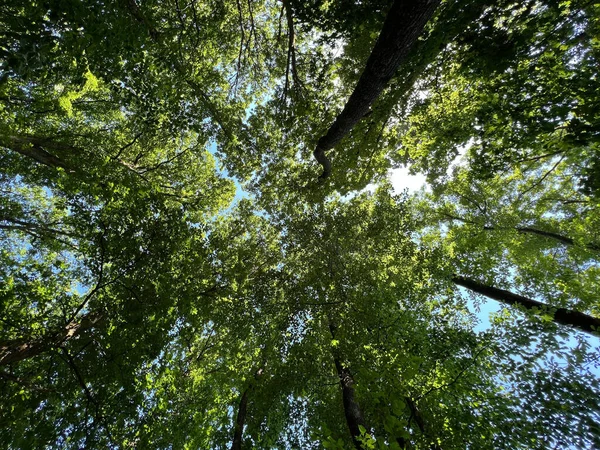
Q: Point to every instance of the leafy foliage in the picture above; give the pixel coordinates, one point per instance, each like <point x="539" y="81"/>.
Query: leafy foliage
<point x="173" y="275"/>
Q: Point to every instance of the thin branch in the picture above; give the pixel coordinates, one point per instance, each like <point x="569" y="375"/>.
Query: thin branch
<point x="375" y="148"/>
<point x="162" y="163"/>
<point x="463" y="370"/>
<point x="35" y="235"/>
<point x="126" y="146"/>
<point x="91" y="398"/>
<point x="252" y="27"/>
<point x="196" y="26"/>
<point x="279" y="27"/>
<point x="521" y="194"/>
<point x="135" y="11"/>
<point x="28" y="225"/>
<point x="460" y="219"/>
<point x="242" y="41"/>
<point x="537" y="158"/>
<point x="323" y="303"/>
<point x="99" y="284"/>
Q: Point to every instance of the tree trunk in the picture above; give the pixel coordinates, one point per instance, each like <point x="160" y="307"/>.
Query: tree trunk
<point x="575" y="319"/>
<point x="352" y="411"/>
<point x="34" y="148"/>
<point x="239" y="421"/>
<point x="403" y="25"/>
<point x="19" y="349"/>
<point x="416" y="414"/>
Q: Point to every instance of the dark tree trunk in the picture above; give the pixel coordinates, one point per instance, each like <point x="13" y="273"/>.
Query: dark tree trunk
<point x="34" y="148"/>
<point x="37" y="148"/>
<point x="19" y="349"/>
<point x="547" y="234"/>
<point x="403" y="25"/>
<point x="239" y="421"/>
<point x="352" y="411"/>
<point x="416" y="414"/>
<point x="562" y="316"/>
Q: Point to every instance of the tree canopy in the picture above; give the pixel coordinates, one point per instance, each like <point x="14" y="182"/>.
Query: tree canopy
<point x="201" y="246"/>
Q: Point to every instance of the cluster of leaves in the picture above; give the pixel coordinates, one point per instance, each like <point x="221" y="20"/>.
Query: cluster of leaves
<point x="140" y="306"/>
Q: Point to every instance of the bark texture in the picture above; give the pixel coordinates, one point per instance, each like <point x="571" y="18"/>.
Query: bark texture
<point x="563" y="316"/>
<point x="34" y="148"/>
<point x="352" y="411"/>
<point x="547" y="234"/>
<point x="19" y="349"/>
<point x="403" y="25"/>
<point x="239" y="421"/>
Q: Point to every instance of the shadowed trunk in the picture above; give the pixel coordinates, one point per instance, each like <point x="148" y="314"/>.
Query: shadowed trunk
<point x="19" y="349"/>
<point x="240" y="419"/>
<point x="563" y="316"/>
<point x="352" y="411"/>
<point x="402" y="27"/>
<point x="34" y="148"/>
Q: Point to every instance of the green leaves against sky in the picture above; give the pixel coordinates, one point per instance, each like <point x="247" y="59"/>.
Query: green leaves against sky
<point x="174" y="274"/>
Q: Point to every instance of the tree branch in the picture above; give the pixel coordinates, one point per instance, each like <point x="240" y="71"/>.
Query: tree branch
<point x="563" y="316"/>
<point x="402" y="27"/>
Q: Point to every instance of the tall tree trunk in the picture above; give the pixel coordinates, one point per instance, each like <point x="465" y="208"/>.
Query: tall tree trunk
<point x="19" y="349"/>
<point x="575" y="319"/>
<point x="558" y="237"/>
<point x="352" y="411"/>
<point x="37" y="147"/>
<point x="403" y="25"/>
<point x="240" y="419"/>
